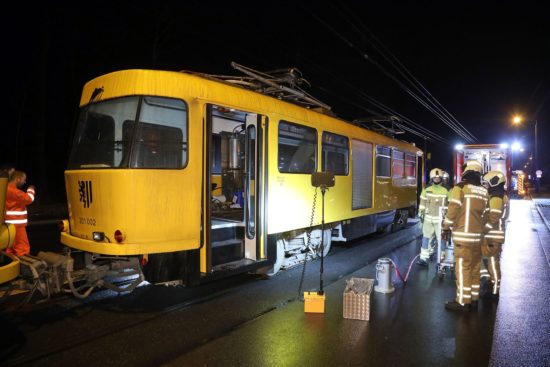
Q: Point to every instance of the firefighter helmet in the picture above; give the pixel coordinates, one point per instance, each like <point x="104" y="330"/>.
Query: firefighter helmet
<point x="472" y="166"/>
<point x="436" y="175"/>
<point x="494" y="178"/>
<point x="445" y="175"/>
<point x="436" y="172"/>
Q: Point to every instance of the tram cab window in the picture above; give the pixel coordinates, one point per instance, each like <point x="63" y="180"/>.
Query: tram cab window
<point x="161" y="136"/>
<point x="96" y="145"/>
<point x="383" y="161"/>
<point x="98" y="141"/>
<point x="297" y="148"/>
<point x="157" y="146"/>
<point x="107" y="132"/>
<point x="335" y="153"/>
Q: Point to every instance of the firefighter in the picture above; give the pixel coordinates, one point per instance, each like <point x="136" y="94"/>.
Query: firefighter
<point x="432" y="200"/>
<point x="446" y="181"/>
<point x="492" y="244"/>
<point x="16" y="211"/>
<point x="465" y="217"/>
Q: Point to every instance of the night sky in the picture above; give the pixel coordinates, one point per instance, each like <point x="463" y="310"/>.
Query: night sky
<point x="481" y="64"/>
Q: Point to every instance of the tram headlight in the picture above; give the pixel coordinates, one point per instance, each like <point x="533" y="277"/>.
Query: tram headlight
<point x="98" y="236"/>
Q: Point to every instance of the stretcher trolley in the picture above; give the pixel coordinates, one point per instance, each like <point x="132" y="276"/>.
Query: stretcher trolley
<point x="445" y="250"/>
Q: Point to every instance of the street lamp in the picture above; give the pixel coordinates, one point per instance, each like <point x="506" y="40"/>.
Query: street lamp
<point x="516" y="120"/>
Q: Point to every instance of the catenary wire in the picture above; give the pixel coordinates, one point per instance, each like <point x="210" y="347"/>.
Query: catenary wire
<point x="366" y="57"/>
<point x="424" y="133"/>
<point x="439" y="113"/>
<point x="402" y="69"/>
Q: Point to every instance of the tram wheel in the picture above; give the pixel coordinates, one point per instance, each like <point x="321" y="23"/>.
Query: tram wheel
<point x="279" y="260"/>
<point x="400" y="220"/>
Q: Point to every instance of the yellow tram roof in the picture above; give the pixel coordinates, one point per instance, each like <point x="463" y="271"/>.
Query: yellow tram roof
<point x="191" y="86"/>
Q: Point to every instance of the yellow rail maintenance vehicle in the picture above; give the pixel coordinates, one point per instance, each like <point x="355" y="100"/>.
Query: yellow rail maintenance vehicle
<point x="179" y="176"/>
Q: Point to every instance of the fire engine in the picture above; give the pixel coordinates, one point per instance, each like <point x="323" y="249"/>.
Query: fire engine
<point x="493" y="157"/>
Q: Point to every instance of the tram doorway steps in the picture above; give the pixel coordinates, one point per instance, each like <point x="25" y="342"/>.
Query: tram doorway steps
<point x="227" y="232"/>
<point x="227" y="241"/>
<point x="227" y="251"/>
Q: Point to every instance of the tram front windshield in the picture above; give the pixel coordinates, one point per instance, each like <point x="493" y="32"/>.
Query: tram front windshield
<point x="131" y="132"/>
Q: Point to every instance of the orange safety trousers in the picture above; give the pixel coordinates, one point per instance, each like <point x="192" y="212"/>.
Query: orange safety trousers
<point x="21" y="244"/>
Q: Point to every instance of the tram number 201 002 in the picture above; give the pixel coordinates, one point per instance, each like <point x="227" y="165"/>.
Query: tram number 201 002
<point x="88" y="221"/>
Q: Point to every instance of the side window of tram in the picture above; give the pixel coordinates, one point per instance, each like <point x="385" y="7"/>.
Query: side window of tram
<point x="161" y="138"/>
<point x="297" y="148"/>
<point x="410" y="169"/>
<point x="335" y="153"/>
<point x="398" y="168"/>
<point x="383" y="161"/>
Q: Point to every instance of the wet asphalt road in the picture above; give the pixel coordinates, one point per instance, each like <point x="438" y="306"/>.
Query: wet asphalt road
<point x="522" y="336"/>
<point x="249" y="321"/>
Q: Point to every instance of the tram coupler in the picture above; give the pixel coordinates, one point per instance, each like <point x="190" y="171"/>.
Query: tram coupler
<point x="33" y="275"/>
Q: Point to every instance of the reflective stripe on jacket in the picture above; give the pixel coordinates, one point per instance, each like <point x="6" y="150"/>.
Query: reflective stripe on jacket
<point x="16" y="204"/>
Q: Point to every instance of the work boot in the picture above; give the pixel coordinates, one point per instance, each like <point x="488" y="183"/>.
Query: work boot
<point x="422" y="262"/>
<point x="486" y="289"/>
<point x="455" y="306"/>
<point x="490" y="296"/>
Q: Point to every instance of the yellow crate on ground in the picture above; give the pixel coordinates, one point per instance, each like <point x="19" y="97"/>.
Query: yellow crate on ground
<point x="357" y="298"/>
<point x="314" y="302"/>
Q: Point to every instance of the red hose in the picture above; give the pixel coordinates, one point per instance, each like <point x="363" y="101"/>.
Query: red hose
<point x="404" y="280"/>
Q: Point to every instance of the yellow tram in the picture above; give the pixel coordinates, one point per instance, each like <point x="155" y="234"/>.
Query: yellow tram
<point x="191" y="178"/>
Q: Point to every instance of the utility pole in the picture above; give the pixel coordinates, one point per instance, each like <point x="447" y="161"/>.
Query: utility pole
<point x="537" y="178"/>
<point x="425" y="162"/>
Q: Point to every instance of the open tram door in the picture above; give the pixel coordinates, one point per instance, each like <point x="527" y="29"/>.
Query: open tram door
<point x="234" y="224"/>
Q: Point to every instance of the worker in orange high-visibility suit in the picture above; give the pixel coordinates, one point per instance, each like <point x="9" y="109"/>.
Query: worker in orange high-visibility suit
<point x="16" y="212"/>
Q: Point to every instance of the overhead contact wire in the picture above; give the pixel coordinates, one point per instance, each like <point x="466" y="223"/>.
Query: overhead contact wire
<point x="425" y="132"/>
<point x="407" y="74"/>
<point x="366" y="57"/>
